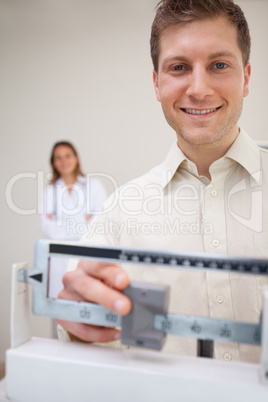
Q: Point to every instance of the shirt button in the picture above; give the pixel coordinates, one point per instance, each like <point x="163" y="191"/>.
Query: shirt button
<point x="215" y="242"/>
<point x="220" y="299"/>
<point x="214" y="193"/>
<point x="227" y="357"/>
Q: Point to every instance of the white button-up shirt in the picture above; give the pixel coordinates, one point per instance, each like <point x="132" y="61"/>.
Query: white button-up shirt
<point x="173" y="208"/>
<point x="69" y="209"/>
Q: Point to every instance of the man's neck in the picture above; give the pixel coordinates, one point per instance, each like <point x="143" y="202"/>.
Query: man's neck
<point x="203" y="155"/>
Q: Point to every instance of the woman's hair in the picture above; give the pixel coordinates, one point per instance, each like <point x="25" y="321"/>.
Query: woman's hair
<point x="55" y="173"/>
<point x="173" y="12"/>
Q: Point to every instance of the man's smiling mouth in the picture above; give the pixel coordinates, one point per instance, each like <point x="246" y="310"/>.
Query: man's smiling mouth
<point x="200" y="112"/>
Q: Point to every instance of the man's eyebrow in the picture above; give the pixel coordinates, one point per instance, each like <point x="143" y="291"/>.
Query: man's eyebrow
<point x="224" y="53"/>
<point x="172" y="59"/>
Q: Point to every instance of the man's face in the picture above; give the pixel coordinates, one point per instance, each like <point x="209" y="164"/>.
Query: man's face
<point x="201" y="81"/>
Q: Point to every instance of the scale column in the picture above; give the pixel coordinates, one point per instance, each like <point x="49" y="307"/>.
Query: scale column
<point x="264" y="337"/>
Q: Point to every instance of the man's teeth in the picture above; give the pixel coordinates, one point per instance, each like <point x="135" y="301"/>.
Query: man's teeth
<point x="194" y="111"/>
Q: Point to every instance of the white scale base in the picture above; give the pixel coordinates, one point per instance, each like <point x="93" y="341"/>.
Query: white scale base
<point x="43" y="370"/>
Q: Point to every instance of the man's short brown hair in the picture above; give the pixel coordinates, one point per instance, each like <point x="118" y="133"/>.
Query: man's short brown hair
<point x="173" y="12"/>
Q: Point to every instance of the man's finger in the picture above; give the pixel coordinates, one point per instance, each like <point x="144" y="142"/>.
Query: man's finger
<point x="89" y="333"/>
<point x="87" y="288"/>
<point x="111" y="274"/>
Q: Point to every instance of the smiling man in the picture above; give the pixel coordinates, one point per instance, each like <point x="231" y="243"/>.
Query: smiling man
<point x="201" y="78"/>
<point x="207" y="196"/>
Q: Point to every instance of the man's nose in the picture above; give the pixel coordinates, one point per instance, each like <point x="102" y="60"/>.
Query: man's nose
<point x="199" y="85"/>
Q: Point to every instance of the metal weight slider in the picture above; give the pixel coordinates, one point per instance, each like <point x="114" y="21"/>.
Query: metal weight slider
<point x="138" y="326"/>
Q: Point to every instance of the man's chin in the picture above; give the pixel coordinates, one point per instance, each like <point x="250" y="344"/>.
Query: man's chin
<point x="198" y="139"/>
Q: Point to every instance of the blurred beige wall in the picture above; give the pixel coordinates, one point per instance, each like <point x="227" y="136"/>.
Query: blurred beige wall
<point x="80" y="70"/>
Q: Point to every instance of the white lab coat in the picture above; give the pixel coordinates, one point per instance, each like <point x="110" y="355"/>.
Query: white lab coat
<point x="69" y="211"/>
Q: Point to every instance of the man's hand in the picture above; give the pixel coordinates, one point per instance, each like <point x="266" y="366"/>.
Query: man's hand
<point x="99" y="283"/>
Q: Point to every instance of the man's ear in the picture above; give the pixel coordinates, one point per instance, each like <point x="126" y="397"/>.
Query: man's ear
<point x="156" y="88"/>
<point x="246" y="79"/>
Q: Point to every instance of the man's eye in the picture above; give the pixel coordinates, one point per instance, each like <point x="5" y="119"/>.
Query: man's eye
<point x="220" y="66"/>
<point x="178" y="68"/>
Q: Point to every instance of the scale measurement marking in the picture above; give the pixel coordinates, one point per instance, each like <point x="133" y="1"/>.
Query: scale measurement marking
<point x="178" y="259"/>
<point x="194" y="327"/>
<point x="209" y="329"/>
<point x="85" y="312"/>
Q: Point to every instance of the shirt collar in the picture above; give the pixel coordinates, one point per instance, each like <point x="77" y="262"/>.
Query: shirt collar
<point x="80" y="180"/>
<point x="174" y="159"/>
<point x="243" y="151"/>
<point x="247" y="153"/>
